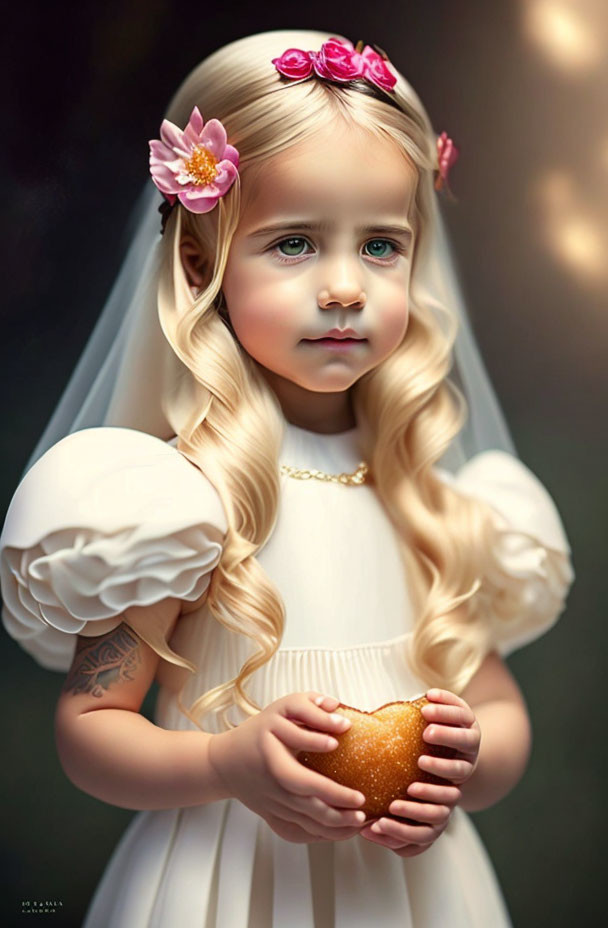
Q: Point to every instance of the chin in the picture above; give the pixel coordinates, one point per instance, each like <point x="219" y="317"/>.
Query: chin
<point x="340" y="385"/>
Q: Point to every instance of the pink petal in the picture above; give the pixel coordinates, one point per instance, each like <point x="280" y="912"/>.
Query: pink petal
<point x="231" y="154"/>
<point x="174" y="138"/>
<point x="161" y="152"/>
<point x="345" y="42"/>
<point x="195" y="192"/>
<point x="191" y="138"/>
<point x="175" y="166"/>
<point x="226" y="175"/>
<point x="164" y="178"/>
<point x="197" y="204"/>
<point x="194" y="129"/>
<point x="213" y="138"/>
<point x="196" y="121"/>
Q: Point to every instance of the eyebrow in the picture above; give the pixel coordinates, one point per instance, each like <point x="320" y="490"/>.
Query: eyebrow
<point x="380" y="228"/>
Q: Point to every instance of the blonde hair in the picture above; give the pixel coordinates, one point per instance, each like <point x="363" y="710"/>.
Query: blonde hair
<point x="229" y="422"/>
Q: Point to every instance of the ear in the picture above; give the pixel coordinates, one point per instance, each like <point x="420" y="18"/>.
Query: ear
<point x="193" y="262"/>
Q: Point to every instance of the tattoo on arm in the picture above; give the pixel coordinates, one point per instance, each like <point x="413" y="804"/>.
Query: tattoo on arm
<point x="101" y="662"/>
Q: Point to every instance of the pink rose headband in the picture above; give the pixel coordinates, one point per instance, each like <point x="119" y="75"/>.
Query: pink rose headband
<point x="338" y="60"/>
<point x="197" y="166"/>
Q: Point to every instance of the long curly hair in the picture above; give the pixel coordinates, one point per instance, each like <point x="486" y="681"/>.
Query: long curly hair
<point x="228" y="420"/>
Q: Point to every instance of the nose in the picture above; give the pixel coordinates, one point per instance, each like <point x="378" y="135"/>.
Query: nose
<point x="342" y="288"/>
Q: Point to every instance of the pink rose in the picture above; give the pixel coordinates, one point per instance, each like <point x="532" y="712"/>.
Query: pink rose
<point x="338" y="61"/>
<point x="376" y="69"/>
<point x="294" y="63"/>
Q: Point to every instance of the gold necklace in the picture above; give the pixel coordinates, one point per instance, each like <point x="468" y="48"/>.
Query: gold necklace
<point x="355" y="479"/>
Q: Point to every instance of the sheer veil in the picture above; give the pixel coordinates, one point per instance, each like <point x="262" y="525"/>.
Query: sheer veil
<point x="116" y="381"/>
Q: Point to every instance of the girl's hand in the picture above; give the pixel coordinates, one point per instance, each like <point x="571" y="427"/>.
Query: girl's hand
<point x="424" y="817"/>
<point x="256" y="763"/>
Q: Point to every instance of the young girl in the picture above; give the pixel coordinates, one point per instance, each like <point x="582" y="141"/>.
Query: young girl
<point x="269" y="501"/>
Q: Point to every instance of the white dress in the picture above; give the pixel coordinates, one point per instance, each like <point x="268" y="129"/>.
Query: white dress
<point x="112" y="517"/>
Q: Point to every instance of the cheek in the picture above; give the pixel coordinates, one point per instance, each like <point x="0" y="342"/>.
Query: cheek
<point x="393" y="317"/>
<point x="249" y="311"/>
<point x="258" y="322"/>
<point x="260" y="306"/>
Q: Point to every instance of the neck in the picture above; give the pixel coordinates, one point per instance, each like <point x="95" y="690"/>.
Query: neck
<point x="325" y="413"/>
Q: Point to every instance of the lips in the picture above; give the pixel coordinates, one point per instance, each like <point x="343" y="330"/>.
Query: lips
<point x="342" y="345"/>
<point x="338" y="335"/>
<point x="328" y="340"/>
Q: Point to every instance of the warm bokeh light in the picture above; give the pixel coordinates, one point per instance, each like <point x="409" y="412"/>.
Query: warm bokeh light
<point x="580" y="244"/>
<point x="574" y="235"/>
<point x="568" y="34"/>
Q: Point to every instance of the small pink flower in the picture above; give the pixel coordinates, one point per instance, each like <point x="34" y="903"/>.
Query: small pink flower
<point x="338" y="61"/>
<point x="447" y="154"/>
<point x="376" y="69"/>
<point x="294" y="63"/>
<point x="195" y="165"/>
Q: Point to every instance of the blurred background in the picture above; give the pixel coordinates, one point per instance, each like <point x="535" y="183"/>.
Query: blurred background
<point x="521" y="86"/>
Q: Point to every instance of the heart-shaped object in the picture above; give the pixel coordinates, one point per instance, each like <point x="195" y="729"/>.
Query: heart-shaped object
<point x="378" y="755"/>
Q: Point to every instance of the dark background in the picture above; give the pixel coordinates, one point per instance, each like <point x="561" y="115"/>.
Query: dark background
<point x="524" y="98"/>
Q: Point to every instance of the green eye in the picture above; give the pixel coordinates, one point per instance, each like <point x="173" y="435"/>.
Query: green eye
<point x="379" y="248"/>
<point x="292" y="247"/>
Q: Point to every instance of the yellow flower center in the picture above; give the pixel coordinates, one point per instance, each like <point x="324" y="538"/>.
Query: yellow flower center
<point x="201" y="166"/>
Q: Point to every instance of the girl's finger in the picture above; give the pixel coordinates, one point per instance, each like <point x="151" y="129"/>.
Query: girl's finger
<point x="300" y="708"/>
<point x="316" y="817"/>
<point x="428" y="812"/>
<point x="381" y="839"/>
<point x="317" y="828"/>
<point x="445" y="696"/>
<point x="448" y="715"/>
<point x="318" y="810"/>
<point x="408" y="850"/>
<point x="403" y="833"/>
<point x="302" y="739"/>
<point x="456" y="770"/>
<point x="329" y="703"/>
<point x="432" y="792"/>
<point x="294" y="777"/>
<point x="465" y="740"/>
<point x="289" y="831"/>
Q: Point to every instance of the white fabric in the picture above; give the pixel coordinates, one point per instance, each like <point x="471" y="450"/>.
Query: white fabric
<point x="333" y="557"/>
<point x="108" y="518"/>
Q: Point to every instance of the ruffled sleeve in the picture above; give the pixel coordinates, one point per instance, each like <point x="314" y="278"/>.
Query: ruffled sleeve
<point x="108" y="518"/>
<point x="531" y="546"/>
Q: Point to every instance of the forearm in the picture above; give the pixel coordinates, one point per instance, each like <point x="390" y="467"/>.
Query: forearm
<point x="120" y="757"/>
<point x="503" y="753"/>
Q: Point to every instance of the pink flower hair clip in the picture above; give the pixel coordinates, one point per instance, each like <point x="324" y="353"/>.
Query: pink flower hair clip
<point x="195" y="166"/>
<point x="338" y="60"/>
<point x="447" y="154"/>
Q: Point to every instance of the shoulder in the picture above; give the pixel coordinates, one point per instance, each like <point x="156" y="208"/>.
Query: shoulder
<point x="515" y="494"/>
<point x="107" y="519"/>
<point x="109" y="478"/>
<point x="530" y="546"/>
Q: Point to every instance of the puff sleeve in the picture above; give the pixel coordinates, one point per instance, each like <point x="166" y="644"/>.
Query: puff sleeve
<point x="531" y="546"/>
<point x="106" y="519"/>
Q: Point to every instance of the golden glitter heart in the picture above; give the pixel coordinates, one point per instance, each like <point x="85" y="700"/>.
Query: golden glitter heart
<point x="378" y="755"/>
